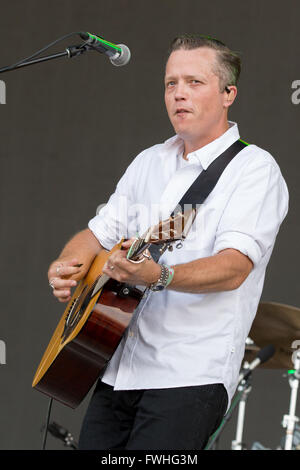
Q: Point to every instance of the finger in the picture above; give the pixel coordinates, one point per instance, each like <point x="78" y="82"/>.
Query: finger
<point x="117" y="258"/>
<point x="58" y="264"/>
<point x="108" y="268"/>
<point x="62" y="294"/>
<point x="64" y="299"/>
<point x="128" y="243"/>
<point x="59" y="284"/>
<point x="64" y="271"/>
<point x="71" y="262"/>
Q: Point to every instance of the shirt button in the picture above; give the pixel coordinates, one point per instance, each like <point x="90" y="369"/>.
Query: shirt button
<point x="232" y="350"/>
<point x="130" y="333"/>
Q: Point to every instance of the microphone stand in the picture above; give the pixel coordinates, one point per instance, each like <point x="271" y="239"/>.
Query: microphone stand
<point x="71" y="51"/>
<point x="240" y="399"/>
<point x="244" y="389"/>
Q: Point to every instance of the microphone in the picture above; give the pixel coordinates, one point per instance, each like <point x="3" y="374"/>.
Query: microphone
<point x="118" y="54"/>
<point x="263" y="355"/>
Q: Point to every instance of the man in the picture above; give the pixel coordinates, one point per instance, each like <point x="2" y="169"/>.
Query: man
<point x="175" y="371"/>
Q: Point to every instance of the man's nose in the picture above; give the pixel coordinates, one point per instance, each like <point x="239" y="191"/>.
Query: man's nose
<point x="181" y="91"/>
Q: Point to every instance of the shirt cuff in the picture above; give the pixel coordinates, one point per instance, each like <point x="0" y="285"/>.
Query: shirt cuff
<point x="241" y="242"/>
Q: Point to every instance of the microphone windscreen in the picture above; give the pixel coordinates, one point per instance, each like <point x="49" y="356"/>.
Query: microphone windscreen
<point x="266" y="353"/>
<point x="123" y="58"/>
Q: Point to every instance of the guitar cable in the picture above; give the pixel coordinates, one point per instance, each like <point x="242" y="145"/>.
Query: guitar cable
<point x="47" y="423"/>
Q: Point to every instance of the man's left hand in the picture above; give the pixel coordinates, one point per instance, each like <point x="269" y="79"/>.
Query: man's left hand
<point x="121" y="269"/>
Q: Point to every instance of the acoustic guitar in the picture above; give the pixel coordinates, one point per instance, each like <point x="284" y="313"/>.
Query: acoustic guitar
<point x="96" y="318"/>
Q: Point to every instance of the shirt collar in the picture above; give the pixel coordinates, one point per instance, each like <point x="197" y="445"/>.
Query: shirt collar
<point x="207" y="154"/>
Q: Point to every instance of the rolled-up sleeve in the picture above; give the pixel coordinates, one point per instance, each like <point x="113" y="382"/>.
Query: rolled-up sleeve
<point x="252" y="217"/>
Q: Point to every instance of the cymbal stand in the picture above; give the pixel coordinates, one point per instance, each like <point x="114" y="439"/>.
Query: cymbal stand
<point x="290" y="420"/>
<point x="244" y="388"/>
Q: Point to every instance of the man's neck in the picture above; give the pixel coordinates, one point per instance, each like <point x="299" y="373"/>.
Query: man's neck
<point x="193" y="145"/>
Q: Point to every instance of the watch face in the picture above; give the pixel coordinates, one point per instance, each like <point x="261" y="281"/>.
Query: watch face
<point x="159" y="287"/>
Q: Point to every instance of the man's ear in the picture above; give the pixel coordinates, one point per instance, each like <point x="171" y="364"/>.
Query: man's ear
<point x="229" y="94"/>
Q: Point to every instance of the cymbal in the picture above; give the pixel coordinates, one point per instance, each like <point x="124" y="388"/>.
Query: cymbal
<point x="276" y="324"/>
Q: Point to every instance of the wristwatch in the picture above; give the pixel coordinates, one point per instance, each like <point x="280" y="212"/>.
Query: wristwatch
<point x="162" y="281"/>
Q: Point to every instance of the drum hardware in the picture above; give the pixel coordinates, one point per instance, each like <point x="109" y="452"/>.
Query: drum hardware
<point x="258" y="446"/>
<point x="280" y="324"/>
<point x="244" y="388"/>
<point x="264" y="355"/>
<point x="276" y="324"/>
<point x="291" y="440"/>
<point x="290" y="420"/>
<point x="295" y="446"/>
<point x="296" y="439"/>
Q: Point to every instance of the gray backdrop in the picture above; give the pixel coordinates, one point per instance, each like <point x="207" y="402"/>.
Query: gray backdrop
<point x="69" y="129"/>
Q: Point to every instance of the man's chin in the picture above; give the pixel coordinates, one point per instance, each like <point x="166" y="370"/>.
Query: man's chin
<point x="186" y="133"/>
<point x="185" y="126"/>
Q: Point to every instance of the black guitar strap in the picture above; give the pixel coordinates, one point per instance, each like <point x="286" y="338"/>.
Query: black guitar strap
<point x="203" y="185"/>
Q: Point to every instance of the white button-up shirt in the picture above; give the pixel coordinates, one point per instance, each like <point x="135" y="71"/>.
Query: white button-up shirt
<point x="183" y="339"/>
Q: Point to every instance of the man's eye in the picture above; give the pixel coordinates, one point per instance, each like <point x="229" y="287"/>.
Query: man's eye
<point x="170" y="84"/>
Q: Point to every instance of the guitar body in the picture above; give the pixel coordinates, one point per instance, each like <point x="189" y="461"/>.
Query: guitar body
<point x="87" y="335"/>
<point x="96" y="318"/>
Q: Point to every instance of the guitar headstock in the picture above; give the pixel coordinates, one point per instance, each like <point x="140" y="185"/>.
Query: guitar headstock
<point x="172" y="229"/>
<point x="165" y="232"/>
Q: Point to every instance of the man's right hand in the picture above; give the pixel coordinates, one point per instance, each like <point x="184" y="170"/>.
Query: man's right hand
<point x="66" y="270"/>
<point x="63" y="274"/>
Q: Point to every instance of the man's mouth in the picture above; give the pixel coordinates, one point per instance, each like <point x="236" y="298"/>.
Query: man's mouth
<point x="181" y="111"/>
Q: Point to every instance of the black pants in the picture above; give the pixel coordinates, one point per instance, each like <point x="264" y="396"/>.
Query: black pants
<point x="158" y="419"/>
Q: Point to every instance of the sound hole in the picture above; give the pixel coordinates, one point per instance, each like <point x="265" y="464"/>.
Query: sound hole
<point x="79" y="305"/>
<point x="76" y="310"/>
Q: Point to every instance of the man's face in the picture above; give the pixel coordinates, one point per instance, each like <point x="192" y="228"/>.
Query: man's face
<point x="193" y="99"/>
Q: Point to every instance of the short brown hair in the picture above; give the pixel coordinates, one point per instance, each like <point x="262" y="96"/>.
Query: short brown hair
<point x="228" y="67"/>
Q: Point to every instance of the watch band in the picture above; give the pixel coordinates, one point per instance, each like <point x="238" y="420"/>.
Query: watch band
<point x="164" y="280"/>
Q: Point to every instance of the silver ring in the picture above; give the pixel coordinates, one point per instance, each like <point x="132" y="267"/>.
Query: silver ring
<point x="111" y="268"/>
<point x="51" y="283"/>
<point x="58" y="269"/>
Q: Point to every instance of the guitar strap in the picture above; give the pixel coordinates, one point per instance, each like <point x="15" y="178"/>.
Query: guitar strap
<point x="203" y="185"/>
